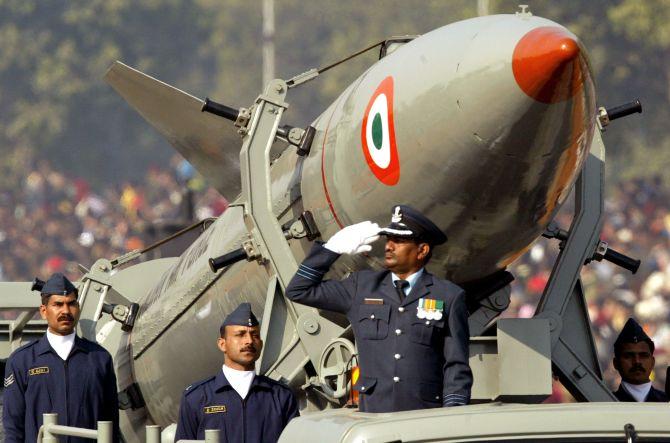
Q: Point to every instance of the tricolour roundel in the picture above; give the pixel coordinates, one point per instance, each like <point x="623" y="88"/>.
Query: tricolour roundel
<point x="378" y="135"/>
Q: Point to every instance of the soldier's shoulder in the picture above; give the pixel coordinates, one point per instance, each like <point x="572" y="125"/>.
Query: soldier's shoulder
<point x="452" y="288"/>
<point x="22" y="351"/>
<point x="198" y="386"/>
<point x="275" y="385"/>
<point x="659" y="395"/>
<point x="372" y="276"/>
<point x="92" y="346"/>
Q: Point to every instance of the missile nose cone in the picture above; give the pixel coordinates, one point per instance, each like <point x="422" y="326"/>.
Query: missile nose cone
<point x="546" y="64"/>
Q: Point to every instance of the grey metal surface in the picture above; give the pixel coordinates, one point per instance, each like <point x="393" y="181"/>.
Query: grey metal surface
<point x="489" y="422"/>
<point x="314" y="332"/>
<point x="573" y="350"/>
<point x="514" y="365"/>
<point x="524" y="359"/>
<point x="17" y="299"/>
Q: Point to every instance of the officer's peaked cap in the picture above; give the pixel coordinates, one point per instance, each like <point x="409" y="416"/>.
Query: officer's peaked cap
<point x="241" y="316"/>
<point x="408" y="222"/>
<point x="632" y="332"/>
<point x="58" y="284"/>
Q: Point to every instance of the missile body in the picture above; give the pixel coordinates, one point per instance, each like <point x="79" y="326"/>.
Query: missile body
<point x="483" y="125"/>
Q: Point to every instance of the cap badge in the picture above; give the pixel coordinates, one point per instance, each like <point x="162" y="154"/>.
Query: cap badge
<point x="430" y="309"/>
<point x="396" y="217"/>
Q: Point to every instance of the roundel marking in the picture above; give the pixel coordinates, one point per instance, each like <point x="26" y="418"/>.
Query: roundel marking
<point x="378" y="135"/>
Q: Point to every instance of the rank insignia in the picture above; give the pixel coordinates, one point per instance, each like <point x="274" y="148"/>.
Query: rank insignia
<point x="9" y="380"/>
<point x="39" y="371"/>
<point x="214" y="409"/>
<point x="430" y="309"/>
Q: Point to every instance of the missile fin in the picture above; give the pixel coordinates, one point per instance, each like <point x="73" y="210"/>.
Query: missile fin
<point x="210" y="143"/>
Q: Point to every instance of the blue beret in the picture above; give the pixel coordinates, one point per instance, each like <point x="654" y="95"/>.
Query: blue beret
<point x="632" y="332"/>
<point x="408" y="222"/>
<point x="58" y="284"/>
<point x="241" y="316"/>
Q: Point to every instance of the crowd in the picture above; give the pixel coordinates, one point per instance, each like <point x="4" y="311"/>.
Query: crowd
<point x="50" y="222"/>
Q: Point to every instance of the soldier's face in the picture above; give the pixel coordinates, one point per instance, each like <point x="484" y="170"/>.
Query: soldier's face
<point x="242" y="346"/>
<point x="635" y="362"/>
<point x="404" y="255"/>
<point x="61" y="313"/>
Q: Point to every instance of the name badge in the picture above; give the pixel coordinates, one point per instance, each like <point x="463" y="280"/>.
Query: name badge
<point x="214" y="409"/>
<point x="39" y="371"/>
<point x="373" y="301"/>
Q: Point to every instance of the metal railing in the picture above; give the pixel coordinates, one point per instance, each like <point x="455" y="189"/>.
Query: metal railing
<point x="50" y="430"/>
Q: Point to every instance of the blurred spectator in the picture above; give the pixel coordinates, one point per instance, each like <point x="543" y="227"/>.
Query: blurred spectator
<point x="49" y="222"/>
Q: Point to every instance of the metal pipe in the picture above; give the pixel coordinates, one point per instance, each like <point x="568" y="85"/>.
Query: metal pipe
<point x="71" y="431"/>
<point x="105" y="432"/>
<point x="268" y="41"/>
<point x="153" y="434"/>
<point x="45" y="434"/>
<point x="212" y="436"/>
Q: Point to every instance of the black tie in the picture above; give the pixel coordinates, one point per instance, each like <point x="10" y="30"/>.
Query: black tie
<point x="400" y="286"/>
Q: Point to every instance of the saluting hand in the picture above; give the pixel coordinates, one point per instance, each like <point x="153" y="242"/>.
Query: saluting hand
<point x="354" y="239"/>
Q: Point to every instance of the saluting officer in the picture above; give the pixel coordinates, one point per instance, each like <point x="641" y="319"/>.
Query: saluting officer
<point x="246" y="407"/>
<point x="634" y="359"/>
<point x="59" y="373"/>
<point x="411" y="327"/>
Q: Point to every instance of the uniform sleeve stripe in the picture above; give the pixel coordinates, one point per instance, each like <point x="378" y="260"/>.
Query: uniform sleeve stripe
<point x="307" y="276"/>
<point x="9" y="380"/>
<point x="311" y="271"/>
<point x="455" y="395"/>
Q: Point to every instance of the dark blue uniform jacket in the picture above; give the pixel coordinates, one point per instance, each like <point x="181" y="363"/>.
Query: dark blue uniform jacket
<point x="654" y="395"/>
<point x="81" y="389"/>
<point x="214" y="404"/>
<point x="405" y="362"/>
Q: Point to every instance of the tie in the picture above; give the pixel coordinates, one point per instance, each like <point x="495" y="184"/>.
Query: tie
<point x="400" y="286"/>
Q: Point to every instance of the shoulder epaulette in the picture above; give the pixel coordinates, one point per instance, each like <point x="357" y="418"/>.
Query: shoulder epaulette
<point x="193" y="387"/>
<point x="24" y="347"/>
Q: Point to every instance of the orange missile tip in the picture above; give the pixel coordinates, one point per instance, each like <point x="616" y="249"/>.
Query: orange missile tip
<point x="546" y="65"/>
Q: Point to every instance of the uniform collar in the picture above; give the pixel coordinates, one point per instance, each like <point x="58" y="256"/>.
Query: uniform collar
<point x="424" y="280"/>
<point x="638" y="392"/>
<point x="420" y="288"/>
<point x="221" y="382"/>
<point x="43" y="345"/>
<point x="412" y="279"/>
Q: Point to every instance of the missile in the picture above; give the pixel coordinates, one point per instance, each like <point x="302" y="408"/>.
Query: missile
<point x="483" y="125"/>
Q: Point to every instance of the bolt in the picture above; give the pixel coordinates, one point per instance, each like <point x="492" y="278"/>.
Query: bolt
<point x="278" y="88"/>
<point x="103" y="268"/>
<point x="311" y="326"/>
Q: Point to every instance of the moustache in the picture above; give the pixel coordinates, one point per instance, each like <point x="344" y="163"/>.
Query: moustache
<point x="248" y="349"/>
<point x="66" y="317"/>
<point x="637" y="368"/>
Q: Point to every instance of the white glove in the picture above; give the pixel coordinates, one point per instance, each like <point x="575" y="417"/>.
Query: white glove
<point x="354" y="239"/>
